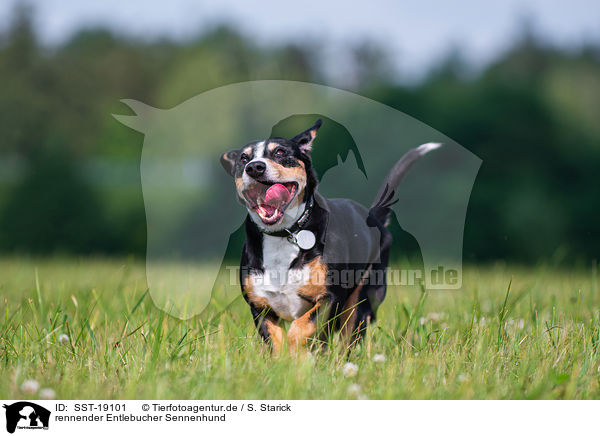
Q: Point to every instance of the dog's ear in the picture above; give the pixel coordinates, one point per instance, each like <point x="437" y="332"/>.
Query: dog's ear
<point x="306" y="138"/>
<point x="228" y="161"/>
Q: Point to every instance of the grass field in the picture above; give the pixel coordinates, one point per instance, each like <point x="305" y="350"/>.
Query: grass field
<point x="539" y="340"/>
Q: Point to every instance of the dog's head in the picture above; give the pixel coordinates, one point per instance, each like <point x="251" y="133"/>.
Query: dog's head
<point x="274" y="177"/>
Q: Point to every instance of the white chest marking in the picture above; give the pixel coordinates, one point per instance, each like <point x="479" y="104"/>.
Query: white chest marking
<point x="279" y="285"/>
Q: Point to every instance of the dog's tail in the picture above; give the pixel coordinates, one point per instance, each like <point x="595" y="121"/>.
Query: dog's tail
<point x="381" y="207"/>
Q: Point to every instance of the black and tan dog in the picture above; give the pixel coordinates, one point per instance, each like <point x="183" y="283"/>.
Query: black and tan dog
<point x="286" y="273"/>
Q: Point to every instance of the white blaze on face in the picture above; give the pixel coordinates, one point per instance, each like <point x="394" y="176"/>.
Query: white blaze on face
<point x="259" y="153"/>
<point x="259" y="150"/>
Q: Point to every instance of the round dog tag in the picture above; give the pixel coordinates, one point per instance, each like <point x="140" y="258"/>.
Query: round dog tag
<point x="305" y="239"/>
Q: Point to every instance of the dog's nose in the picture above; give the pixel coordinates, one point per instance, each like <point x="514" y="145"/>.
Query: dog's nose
<point x="256" y="169"/>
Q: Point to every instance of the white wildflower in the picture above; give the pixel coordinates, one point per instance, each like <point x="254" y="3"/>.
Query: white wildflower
<point x="379" y="358"/>
<point x="63" y="339"/>
<point x="433" y="316"/>
<point x="354" y="390"/>
<point x="47" y="394"/>
<point x="30" y="386"/>
<point x="350" y="369"/>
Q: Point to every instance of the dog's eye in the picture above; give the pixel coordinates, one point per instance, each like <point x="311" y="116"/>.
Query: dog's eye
<point x="244" y="158"/>
<point x="279" y="152"/>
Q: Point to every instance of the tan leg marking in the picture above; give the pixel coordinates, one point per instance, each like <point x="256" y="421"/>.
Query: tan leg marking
<point x="260" y="302"/>
<point x="301" y="329"/>
<point x="275" y="333"/>
<point x="348" y="315"/>
<point x="316" y="286"/>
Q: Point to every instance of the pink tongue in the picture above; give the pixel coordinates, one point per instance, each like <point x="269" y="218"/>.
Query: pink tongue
<point x="277" y="195"/>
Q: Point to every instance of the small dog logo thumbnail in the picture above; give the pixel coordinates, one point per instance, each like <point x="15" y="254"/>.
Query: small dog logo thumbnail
<point x="26" y="415"/>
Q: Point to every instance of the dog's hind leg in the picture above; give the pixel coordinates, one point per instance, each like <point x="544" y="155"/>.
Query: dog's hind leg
<point x="357" y="311"/>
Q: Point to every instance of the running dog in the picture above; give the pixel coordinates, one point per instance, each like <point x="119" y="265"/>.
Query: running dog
<point x="285" y="271"/>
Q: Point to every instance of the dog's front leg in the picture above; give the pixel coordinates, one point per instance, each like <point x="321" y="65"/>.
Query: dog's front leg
<point x="273" y="333"/>
<point x="304" y="327"/>
<point x="268" y="327"/>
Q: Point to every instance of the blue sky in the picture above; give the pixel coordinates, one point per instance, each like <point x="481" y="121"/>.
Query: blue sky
<point x="415" y="33"/>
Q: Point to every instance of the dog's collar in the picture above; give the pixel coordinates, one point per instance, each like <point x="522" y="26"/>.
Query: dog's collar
<point x="297" y="226"/>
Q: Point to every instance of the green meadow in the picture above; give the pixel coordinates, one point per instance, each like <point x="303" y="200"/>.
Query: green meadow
<point x="88" y="329"/>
